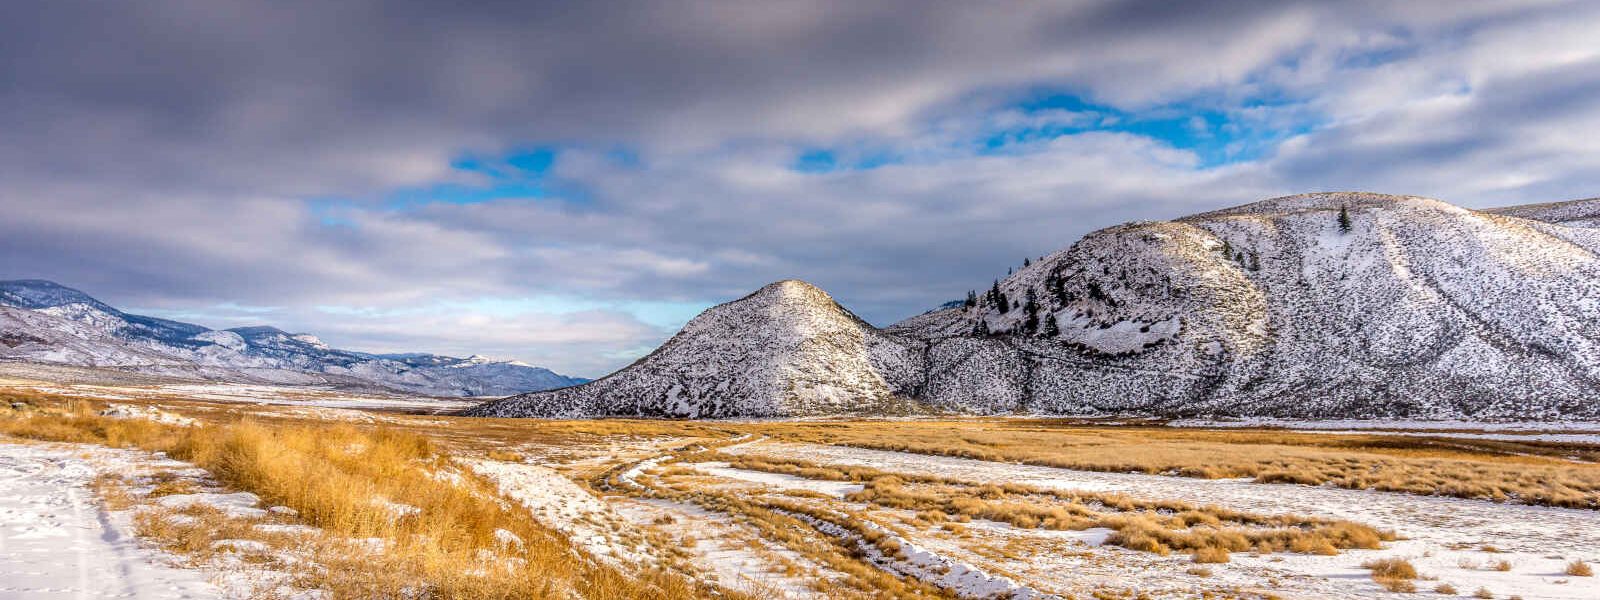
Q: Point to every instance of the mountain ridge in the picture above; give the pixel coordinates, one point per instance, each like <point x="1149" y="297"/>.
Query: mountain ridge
<point x="43" y="321"/>
<point x="1339" y="304"/>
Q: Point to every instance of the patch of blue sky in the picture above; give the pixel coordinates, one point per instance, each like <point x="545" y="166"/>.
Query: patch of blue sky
<point x="331" y="212"/>
<point x="523" y="174"/>
<point x="519" y="174"/>
<point x="824" y="160"/>
<point x="457" y="193"/>
<point x="1216" y="132"/>
<point x="534" y="163"/>
<point x="1217" y="135"/>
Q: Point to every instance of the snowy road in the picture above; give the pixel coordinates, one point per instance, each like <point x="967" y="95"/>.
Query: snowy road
<point x="56" y="542"/>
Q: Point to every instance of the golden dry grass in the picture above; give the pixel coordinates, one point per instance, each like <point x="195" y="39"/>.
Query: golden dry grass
<point x="331" y="474"/>
<point x="1503" y="472"/>
<point x="1522" y="472"/>
<point x="1158" y="526"/>
<point x="1394" y="574"/>
<point x="1579" y="568"/>
<point x="1537" y="473"/>
<point x="1391" y="568"/>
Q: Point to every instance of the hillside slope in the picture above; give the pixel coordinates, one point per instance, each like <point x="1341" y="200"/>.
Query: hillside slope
<point x="1334" y="305"/>
<point x="1417" y="308"/>
<point x="786" y="350"/>
<point x="44" y="322"/>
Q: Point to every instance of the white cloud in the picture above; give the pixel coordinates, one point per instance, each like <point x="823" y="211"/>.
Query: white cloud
<point x="170" y="162"/>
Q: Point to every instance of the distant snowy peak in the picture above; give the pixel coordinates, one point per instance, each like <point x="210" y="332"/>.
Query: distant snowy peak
<point x="786" y="350"/>
<point x="35" y="294"/>
<point x="41" y="321"/>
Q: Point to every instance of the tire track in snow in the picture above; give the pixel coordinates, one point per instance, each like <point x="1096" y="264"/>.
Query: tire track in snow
<point x="57" y="543"/>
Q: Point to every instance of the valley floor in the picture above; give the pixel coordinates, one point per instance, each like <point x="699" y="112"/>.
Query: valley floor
<point x="974" y="508"/>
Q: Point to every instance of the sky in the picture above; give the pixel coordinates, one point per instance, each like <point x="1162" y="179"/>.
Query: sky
<point x="568" y="183"/>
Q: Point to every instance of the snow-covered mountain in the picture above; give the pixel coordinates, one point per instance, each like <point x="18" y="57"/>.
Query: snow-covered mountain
<point x="1318" y="305"/>
<point x="41" y="321"/>
<point x="786" y="350"/>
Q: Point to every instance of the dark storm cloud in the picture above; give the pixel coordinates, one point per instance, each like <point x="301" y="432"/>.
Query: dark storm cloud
<point x="181" y="154"/>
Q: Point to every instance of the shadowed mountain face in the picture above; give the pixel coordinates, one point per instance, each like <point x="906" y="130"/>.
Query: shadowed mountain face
<point x="44" y="322"/>
<point x="1322" y="305"/>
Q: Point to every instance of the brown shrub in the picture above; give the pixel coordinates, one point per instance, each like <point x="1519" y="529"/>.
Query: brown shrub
<point x="505" y="456"/>
<point x="1401" y="586"/>
<point x="1579" y="568"/>
<point x="1391" y="568"/>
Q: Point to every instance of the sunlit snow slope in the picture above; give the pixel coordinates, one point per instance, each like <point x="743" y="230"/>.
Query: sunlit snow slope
<point x="1402" y="306"/>
<point x="1416" y="308"/>
<point x="787" y="349"/>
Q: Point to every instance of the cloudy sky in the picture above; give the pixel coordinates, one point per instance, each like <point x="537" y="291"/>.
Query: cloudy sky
<point x="567" y="183"/>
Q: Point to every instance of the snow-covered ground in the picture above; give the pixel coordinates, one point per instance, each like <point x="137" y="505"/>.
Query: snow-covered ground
<point x="57" y="541"/>
<point x="720" y="547"/>
<point x="1443" y="537"/>
<point x="561" y="505"/>
<point x="837" y="489"/>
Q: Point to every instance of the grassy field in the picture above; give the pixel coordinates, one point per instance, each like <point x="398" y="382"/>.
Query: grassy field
<point x="330" y="464"/>
<point x="1530" y="473"/>
<point x="345" y="480"/>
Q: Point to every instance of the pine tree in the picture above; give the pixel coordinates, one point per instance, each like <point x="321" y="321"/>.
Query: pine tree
<point x="1255" y="261"/>
<point x="1227" y="248"/>
<point x="1026" y="262"/>
<point x="972" y="299"/>
<point x="1031" y="325"/>
<point x="981" y="327"/>
<point x="1051" y="329"/>
<point x="1344" y="219"/>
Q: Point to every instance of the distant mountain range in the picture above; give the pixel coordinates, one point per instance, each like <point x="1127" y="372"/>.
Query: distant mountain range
<point x="1333" y="305"/>
<point x="44" y="322"/>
